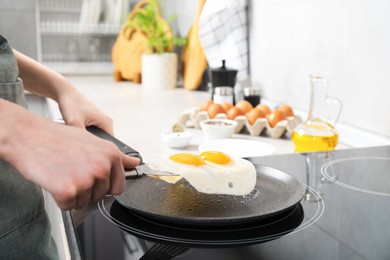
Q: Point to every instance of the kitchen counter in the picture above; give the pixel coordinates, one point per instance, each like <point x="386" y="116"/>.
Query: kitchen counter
<point x="141" y="115"/>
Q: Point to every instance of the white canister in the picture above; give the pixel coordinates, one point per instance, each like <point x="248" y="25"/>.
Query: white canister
<point x="223" y="94"/>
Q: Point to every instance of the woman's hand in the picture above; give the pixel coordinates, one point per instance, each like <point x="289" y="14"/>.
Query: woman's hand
<point x="73" y="165"/>
<point x="78" y="111"/>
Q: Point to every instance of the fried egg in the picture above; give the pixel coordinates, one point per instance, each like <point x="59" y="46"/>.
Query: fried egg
<point x="212" y="172"/>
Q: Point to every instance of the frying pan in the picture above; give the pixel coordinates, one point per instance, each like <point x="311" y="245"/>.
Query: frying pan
<point x="203" y="236"/>
<point x="275" y="192"/>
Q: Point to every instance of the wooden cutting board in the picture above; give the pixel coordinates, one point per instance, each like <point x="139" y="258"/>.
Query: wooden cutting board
<point x="193" y="58"/>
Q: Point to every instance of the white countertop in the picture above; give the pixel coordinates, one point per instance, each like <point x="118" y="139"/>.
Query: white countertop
<point x="141" y="115"/>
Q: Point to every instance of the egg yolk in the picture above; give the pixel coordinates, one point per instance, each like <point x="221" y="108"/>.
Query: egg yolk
<point x="216" y="157"/>
<point x="187" y="158"/>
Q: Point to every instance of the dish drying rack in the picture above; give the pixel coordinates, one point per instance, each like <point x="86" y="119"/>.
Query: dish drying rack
<point x="76" y="36"/>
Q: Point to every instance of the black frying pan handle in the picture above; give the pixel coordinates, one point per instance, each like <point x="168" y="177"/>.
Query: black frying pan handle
<point x="122" y="146"/>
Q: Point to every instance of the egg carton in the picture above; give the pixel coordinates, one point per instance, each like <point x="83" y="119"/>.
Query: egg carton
<point x="191" y="118"/>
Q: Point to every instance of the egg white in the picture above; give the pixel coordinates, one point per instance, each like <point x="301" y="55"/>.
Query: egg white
<point x="238" y="177"/>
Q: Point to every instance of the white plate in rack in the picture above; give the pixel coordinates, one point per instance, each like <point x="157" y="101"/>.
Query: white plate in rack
<point x="235" y="147"/>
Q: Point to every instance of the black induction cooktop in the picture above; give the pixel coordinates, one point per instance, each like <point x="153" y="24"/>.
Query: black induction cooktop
<point x="355" y="189"/>
<point x="346" y="209"/>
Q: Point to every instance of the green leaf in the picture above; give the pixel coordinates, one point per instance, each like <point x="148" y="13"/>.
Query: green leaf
<point x="159" y="38"/>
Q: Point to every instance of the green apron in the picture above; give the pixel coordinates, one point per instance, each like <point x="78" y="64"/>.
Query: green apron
<point x="24" y="226"/>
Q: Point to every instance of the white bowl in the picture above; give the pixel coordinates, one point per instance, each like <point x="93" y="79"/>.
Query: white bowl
<point x="177" y="139"/>
<point x="218" y="128"/>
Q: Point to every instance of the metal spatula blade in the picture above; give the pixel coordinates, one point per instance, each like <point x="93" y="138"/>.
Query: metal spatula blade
<point x="144" y="169"/>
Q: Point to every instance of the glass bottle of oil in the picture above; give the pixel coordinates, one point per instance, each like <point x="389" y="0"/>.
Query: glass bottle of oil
<point x="317" y="133"/>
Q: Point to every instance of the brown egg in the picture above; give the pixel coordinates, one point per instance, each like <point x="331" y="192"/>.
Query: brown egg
<point x="205" y="105"/>
<point x="234" y="112"/>
<point x="275" y="117"/>
<point x="215" y="109"/>
<point x="245" y="106"/>
<point x="287" y="110"/>
<point x="264" y="108"/>
<point x="254" y="114"/>
<point x="227" y="106"/>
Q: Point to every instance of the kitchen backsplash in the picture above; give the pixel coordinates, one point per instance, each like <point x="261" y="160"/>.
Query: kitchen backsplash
<point x="345" y="40"/>
<point x="18" y="25"/>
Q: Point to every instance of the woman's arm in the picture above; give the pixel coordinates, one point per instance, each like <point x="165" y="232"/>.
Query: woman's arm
<point x="75" y="108"/>
<point x="40" y="80"/>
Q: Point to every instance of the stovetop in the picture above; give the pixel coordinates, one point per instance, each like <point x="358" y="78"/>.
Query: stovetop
<point x="346" y="208"/>
<point x="355" y="188"/>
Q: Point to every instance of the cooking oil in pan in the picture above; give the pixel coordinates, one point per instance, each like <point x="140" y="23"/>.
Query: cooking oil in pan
<point x="246" y="198"/>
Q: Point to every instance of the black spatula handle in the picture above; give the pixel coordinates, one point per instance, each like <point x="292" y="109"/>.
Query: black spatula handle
<point x="122" y="146"/>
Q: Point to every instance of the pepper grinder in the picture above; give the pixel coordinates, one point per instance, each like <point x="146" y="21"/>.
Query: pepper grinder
<point x="223" y="77"/>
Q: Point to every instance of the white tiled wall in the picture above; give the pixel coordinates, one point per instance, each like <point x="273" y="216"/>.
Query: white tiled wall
<point x="346" y="40"/>
<point x="184" y="11"/>
<point x="18" y="25"/>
